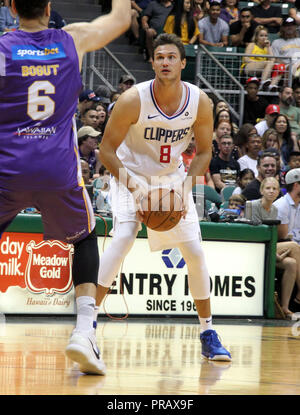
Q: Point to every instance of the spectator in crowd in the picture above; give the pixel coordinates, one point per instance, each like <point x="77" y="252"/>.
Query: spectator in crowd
<point x="200" y="8"/>
<point x="56" y="21"/>
<point x="223" y="127"/>
<point x="241" y="137"/>
<point x="85" y="171"/>
<point x="288" y="45"/>
<point x="8" y="20"/>
<point x="88" y="148"/>
<point x="125" y="82"/>
<point x="270" y="139"/>
<point x="260" y="66"/>
<point x="244" y="178"/>
<point x="294" y="11"/>
<point x="101" y="188"/>
<point x="102" y="117"/>
<point x="267" y="15"/>
<point x="266" y="167"/>
<point x="242" y="31"/>
<point x="254" y="105"/>
<point x="293" y="163"/>
<point x="87" y="98"/>
<point x="104" y="93"/>
<point x="237" y="202"/>
<point x="213" y="30"/>
<point x="220" y="105"/>
<point x="223" y="168"/>
<point x="253" y="147"/>
<point x="286" y="101"/>
<point x="225" y="115"/>
<point x="90" y="118"/>
<point x="271" y="112"/>
<point x="287" y="252"/>
<point x="229" y="11"/>
<point x="137" y="8"/>
<point x="182" y="23"/>
<point x="153" y="21"/>
<point x="288" y="142"/>
<point x="296" y="91"/>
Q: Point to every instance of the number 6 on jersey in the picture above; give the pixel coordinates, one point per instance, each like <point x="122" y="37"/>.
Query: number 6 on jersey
<point x="40" y="107"/>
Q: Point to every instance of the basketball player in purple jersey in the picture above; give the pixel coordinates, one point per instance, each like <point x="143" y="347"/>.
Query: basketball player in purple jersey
<point x="151" y="125"/>
<point x="39" y="164"/>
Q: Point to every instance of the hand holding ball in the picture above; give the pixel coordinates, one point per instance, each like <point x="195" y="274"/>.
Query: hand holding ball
<point x="162" y="209"/>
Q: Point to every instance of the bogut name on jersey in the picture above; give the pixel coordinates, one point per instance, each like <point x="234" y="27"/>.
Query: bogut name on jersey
<point x="164" y="135"/>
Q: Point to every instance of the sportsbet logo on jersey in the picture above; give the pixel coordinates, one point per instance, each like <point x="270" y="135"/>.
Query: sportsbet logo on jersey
<point x="27" y="52"/>
<point x="43" y="267"/>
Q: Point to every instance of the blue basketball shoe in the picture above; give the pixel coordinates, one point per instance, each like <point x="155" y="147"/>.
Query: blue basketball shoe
<point x="212" y="349"/>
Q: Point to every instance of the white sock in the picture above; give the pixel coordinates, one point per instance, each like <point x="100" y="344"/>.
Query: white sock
<point x="85" y="313"/>
<point x="205" y="324"/>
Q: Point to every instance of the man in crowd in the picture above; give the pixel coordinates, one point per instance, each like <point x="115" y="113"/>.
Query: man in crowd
<point x="255" y="105"/>
<point x="223" y="168"/>
<point x="214" y="31"/>
<point x="126" y="82"/>
<point x="288" y="44"/>
<point x="242" y="31"/>
<point x="286" y="101"/>
<point x="87" y="98"/>
<point x="266" y="167"/>
<point x="271" y="111"/>
<point x="267" y="15"/>
<point x="153" y="21"/>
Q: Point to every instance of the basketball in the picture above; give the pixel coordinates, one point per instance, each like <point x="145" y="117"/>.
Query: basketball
<point x="162" y="209"/>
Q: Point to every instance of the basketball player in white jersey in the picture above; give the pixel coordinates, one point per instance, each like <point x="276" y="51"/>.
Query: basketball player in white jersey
<point x="149" y="128"/>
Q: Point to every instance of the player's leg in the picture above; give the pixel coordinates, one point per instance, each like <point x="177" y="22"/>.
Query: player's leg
<point x="199" y="285"/>
<point x="68" y="216"/>
<point x="112" y="258"/>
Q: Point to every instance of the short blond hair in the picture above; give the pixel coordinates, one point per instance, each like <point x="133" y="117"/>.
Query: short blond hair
<point x="268" y="179"/>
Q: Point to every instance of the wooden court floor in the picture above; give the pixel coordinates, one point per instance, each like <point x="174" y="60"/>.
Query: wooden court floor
<point x="150" y="357"/>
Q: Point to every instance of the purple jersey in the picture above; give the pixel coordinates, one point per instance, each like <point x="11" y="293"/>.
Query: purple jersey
<point x="39" y="87"/>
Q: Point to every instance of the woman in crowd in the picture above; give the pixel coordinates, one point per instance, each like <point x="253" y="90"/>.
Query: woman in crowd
<point x="103" y="116"/>
<point x="182" y="23"/>
<point x="287" y="253"/>
<point x="260" y="66"/>
<point x="287" y="141"/>
<point x="241" y="137"/>
<point x="225" y="115"/>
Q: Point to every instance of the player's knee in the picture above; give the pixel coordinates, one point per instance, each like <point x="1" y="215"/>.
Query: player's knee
<point x="86" y="260"/>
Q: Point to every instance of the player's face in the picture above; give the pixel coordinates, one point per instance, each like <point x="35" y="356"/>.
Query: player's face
<point x="167" y="63"/>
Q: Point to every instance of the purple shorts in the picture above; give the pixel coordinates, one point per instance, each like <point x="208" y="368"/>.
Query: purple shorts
<point x="67" y="215"/>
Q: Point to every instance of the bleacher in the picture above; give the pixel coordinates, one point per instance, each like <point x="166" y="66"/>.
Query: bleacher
<point x="217" y="69"/>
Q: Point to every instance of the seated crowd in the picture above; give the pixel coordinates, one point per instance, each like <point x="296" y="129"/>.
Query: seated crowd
<point x="258" y="158"/>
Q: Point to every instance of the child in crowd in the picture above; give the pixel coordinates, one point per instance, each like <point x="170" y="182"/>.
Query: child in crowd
<point x="245" y="177"/>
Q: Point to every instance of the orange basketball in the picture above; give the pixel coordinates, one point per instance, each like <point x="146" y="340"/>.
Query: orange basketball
<point x="162" y="209"/>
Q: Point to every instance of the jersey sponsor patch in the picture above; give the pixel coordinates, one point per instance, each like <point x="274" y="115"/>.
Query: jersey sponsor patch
<point x="43" y="53"/>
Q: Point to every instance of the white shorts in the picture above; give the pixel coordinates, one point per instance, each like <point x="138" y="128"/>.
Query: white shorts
<point x="123" y="208"/>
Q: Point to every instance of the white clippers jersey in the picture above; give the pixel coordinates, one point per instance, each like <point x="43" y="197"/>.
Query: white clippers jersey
<point x="153" y="146"/>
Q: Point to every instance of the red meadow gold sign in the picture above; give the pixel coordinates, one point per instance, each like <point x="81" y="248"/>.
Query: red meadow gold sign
<point x="26" y="260"/>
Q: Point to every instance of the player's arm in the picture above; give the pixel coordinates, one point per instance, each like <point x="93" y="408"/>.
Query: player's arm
<point x="203" y="133"/>
<point x="125" y="113"/>
<point x="101" y="31"/>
